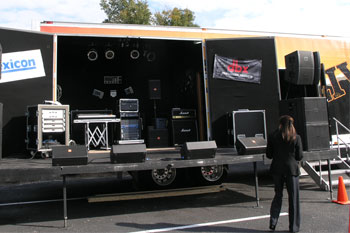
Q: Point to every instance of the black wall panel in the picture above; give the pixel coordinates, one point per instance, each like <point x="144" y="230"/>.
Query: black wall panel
<point x="227" y="95"/>
<point x="17" y="95"/>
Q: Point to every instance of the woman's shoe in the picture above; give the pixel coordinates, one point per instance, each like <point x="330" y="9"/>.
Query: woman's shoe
<point x="272" y="227"/>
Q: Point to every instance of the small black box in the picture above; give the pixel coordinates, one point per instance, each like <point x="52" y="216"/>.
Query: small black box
<point x="250" y="145"/>
<point x="199" y="150"/>
<point x="129" y="153"/>
<point x="69" y="155"/>
<point x="157" y="137"/>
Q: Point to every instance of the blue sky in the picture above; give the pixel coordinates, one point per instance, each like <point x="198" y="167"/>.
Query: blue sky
<point x="322" y="17"/>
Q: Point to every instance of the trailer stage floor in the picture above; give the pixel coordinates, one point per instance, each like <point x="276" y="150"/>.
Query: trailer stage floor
<point x="18" y="170"/>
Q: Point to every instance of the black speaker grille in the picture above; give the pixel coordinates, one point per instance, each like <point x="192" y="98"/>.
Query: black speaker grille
<point x="184" y="131"/>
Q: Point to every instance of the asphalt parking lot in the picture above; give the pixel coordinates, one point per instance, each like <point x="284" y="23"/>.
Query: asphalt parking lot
<point x="232" y="210"/>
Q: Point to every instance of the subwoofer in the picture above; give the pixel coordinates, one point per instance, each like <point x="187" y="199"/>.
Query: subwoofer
<point x="184" y="130"/>
<point x="128" y="153"/>
<point x="310" y="120"/>
<point x="199" y="150"/>
<point x="300" y="68"/>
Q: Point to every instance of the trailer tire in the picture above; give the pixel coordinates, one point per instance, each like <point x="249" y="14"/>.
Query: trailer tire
<point x="209" y="175"/>
<point x="157" y="178"/>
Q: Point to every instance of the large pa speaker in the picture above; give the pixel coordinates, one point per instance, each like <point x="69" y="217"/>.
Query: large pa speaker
<point x="69" y="155"/>
<point x="310" y="120"/>
<point x="154" y="89"/>
<point x="250" y="145"/>
<point x="300" y="68"/>
<point x="317" y="68"/>
<point x="132" y="153"/>
<point x="315" y="136"/>
<point x="199" y="150"/>
<point x="184" y="130"/>
<point x="1" y="119"/>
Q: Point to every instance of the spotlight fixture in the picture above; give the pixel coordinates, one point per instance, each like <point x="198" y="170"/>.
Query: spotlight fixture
<point x="109" y="54"/>
<point x="134" y="54"/>
<point x="151" y="56"/>
<point x="92" y="55"/>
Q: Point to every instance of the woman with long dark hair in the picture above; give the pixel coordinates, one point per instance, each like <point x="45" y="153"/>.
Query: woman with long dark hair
<point x="285" y="149"/>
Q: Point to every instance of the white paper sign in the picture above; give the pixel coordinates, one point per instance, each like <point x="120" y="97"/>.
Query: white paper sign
<point x="21" y="65"/>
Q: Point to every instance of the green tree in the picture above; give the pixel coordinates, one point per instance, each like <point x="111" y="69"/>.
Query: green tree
<point x="126" y="11"/>
<point x="175" y="17"/>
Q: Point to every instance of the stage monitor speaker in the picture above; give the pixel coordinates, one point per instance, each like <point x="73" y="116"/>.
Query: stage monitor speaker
<point x="1" y="120"/>
<point x="250" y="145"/>
<point x="128" y="153"/>
<point x="199" y="150"/>
<point x="157" y="137"/>
<point x="184" y="130"/>
<point x="317" y="68"/>
<point x="69" y="155"/>
<point x="300" y="68"/>
<point x="154" y="89"/>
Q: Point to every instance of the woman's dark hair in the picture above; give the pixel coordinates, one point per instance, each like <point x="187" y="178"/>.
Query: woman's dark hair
<point x="287" y="129"/>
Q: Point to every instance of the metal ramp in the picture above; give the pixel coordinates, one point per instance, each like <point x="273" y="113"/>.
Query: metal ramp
<point x="339" y="166"/>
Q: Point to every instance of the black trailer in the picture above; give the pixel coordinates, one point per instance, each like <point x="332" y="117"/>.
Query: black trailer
<point x="92" y="74"/>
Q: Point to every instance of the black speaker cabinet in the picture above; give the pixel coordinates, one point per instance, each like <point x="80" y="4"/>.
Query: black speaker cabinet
<point x="250" y="145"/>
<point x="132" y="153"/>
<point x="69" y="155"/>
<point x="300" y="67"/>
<point x="310" y="120"/>
<point x="315" y="136"/>
<point x="199" y="150"/>
<point x="154" y="89"/>
<point x="1" y="119"/>
<point x="317" y="68"/>
<point x="305" y="109"/>
<point x="157" y="137"/>
<point x="184" y="130"/>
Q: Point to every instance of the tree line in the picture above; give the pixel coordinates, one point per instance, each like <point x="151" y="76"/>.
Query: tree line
<point x="138" y="12"/>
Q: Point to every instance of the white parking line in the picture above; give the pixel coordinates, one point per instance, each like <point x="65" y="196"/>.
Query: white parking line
<point x="208" y="224"/>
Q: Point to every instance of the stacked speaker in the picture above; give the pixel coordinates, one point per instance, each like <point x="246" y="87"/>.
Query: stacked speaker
<point x="183" y="126"/>
<point x="311" y="120"/>
<point x="303" y="68"/>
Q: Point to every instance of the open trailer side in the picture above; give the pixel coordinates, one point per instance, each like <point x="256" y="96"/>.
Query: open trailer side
<point x="92" y="72"/>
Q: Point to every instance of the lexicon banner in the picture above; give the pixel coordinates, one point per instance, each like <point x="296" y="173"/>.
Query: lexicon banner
<point x="22" y="65"/>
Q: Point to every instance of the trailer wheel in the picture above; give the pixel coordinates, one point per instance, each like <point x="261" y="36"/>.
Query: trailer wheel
<point x="155" y="179"/>
<point x="163" y="177"/>
<point x="209" y="175"/>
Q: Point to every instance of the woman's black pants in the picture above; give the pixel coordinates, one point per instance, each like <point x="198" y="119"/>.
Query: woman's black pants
<point x="292" y="184"/>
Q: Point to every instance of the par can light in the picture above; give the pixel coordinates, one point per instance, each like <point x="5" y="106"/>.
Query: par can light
<point x="92" y="55"/>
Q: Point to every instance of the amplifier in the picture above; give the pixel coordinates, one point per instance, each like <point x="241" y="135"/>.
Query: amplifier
<point x="128" y="105"/>
<point x="250" y="145"/>
<point x="178" y="113"/>
<point x="133" y="153"/>
<point x="69" y="155"/>
<point x="184" y="130"/>
<point x="130" y="129"/>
